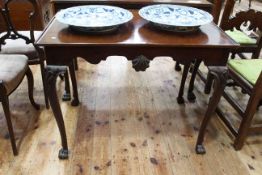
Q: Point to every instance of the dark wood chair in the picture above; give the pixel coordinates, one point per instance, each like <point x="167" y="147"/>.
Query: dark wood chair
<point x="13" y="68"/>
<point x="236" y="27"/>
<point x="248" y="75"/>
<point x="15" y="40"/>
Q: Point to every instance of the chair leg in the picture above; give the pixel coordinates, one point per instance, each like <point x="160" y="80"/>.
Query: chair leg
<point x="67" y="94"/>
<point x="220" y="83"/>
<point x="75" y="101"/>
<point x="30" y="82"/>
<point x="259" y="104"/>
<point x="5" y="103"/>
<point x="75" y="64"/>
<point x="61" y="77"/>
<point x="208" y="83"/>
<point x="233" y="55"/>
<point x="240" y="139"/>
<point x="42" y="67"/>
<point x="180" y="99"/>
<point x="177" y="66"/>
<point x="246" y="122"/>
<point x="191" y="96"/>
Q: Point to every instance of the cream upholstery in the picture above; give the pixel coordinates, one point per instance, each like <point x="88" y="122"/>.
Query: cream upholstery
<point x="12" y="70"/>
<point x="18" y="46"/>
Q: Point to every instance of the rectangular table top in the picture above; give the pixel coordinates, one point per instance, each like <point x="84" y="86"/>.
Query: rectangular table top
<point x="137" y="32"/>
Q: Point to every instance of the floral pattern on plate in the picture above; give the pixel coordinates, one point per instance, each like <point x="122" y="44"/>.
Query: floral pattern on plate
<point x="92" y="17"/>
<point x="175" y="17"/>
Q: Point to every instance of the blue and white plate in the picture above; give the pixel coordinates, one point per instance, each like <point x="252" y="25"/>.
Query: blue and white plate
<point x="92" y="18"/>
<point x="175" y="17"/>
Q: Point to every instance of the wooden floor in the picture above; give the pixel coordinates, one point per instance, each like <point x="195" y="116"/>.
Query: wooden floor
<point x="127" y="123"/>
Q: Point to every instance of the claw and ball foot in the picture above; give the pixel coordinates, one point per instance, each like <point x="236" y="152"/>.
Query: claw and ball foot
<point x="66" y="96"/>
<point x="191" y="97"/>
<point x="200" y="149"/>
<point x="75" y="102"/>
<point x="180" y="100"/>
<point x="63" y="153"/>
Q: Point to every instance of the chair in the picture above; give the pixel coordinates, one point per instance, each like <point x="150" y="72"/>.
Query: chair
<point x="13" y="68"/>
<point x="16" y="41"/>
<point x="245" y="28"/>
<point x="237" y="27"/>
<point x="248" y="75"/>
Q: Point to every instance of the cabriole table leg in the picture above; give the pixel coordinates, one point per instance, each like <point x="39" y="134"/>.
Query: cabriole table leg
<point x="51" y="73"/>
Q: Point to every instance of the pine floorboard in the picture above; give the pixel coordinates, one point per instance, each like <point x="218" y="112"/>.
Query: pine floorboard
<point x="127" y="123"/>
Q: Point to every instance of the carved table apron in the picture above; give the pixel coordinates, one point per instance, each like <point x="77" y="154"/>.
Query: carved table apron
<point x="137" y="41"/>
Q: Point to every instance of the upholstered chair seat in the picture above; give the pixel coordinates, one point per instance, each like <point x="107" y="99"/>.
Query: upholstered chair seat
<point x="240" y="37"/>
<point x="12" y="70"/>
<point x="249" y="69"/>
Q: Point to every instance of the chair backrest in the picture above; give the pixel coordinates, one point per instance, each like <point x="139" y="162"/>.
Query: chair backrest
<point x="19" y="12"/>
<point x="217" y="7"/>
<point x="229" y="6"/>
<point x="10" y="31"/>
<point x="249" y="20"/>
<point x="243" y="17"/>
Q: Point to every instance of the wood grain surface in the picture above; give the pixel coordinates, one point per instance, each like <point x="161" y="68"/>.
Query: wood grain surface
<point x="127" y="123"/>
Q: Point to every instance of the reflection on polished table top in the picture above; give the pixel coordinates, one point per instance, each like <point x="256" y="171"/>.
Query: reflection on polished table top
<point x="137" y="34"/>
<point x="131" y="4"/>
<point x="131" y="40"/>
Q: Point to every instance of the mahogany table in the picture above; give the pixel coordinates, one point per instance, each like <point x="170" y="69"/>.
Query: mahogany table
<point x="137" y="40"/>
